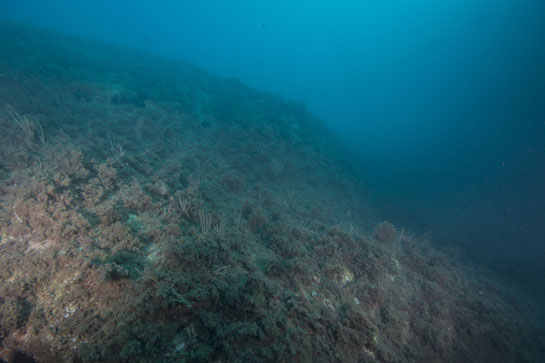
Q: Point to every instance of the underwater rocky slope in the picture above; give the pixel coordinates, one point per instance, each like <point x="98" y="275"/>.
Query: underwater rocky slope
<point x="151" y="212"/>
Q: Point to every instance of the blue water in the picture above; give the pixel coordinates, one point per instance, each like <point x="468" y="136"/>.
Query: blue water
<point x="442" y="103"/>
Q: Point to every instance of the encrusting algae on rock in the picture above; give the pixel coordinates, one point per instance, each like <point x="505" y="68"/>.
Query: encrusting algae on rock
<point x="170" y="215"/>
